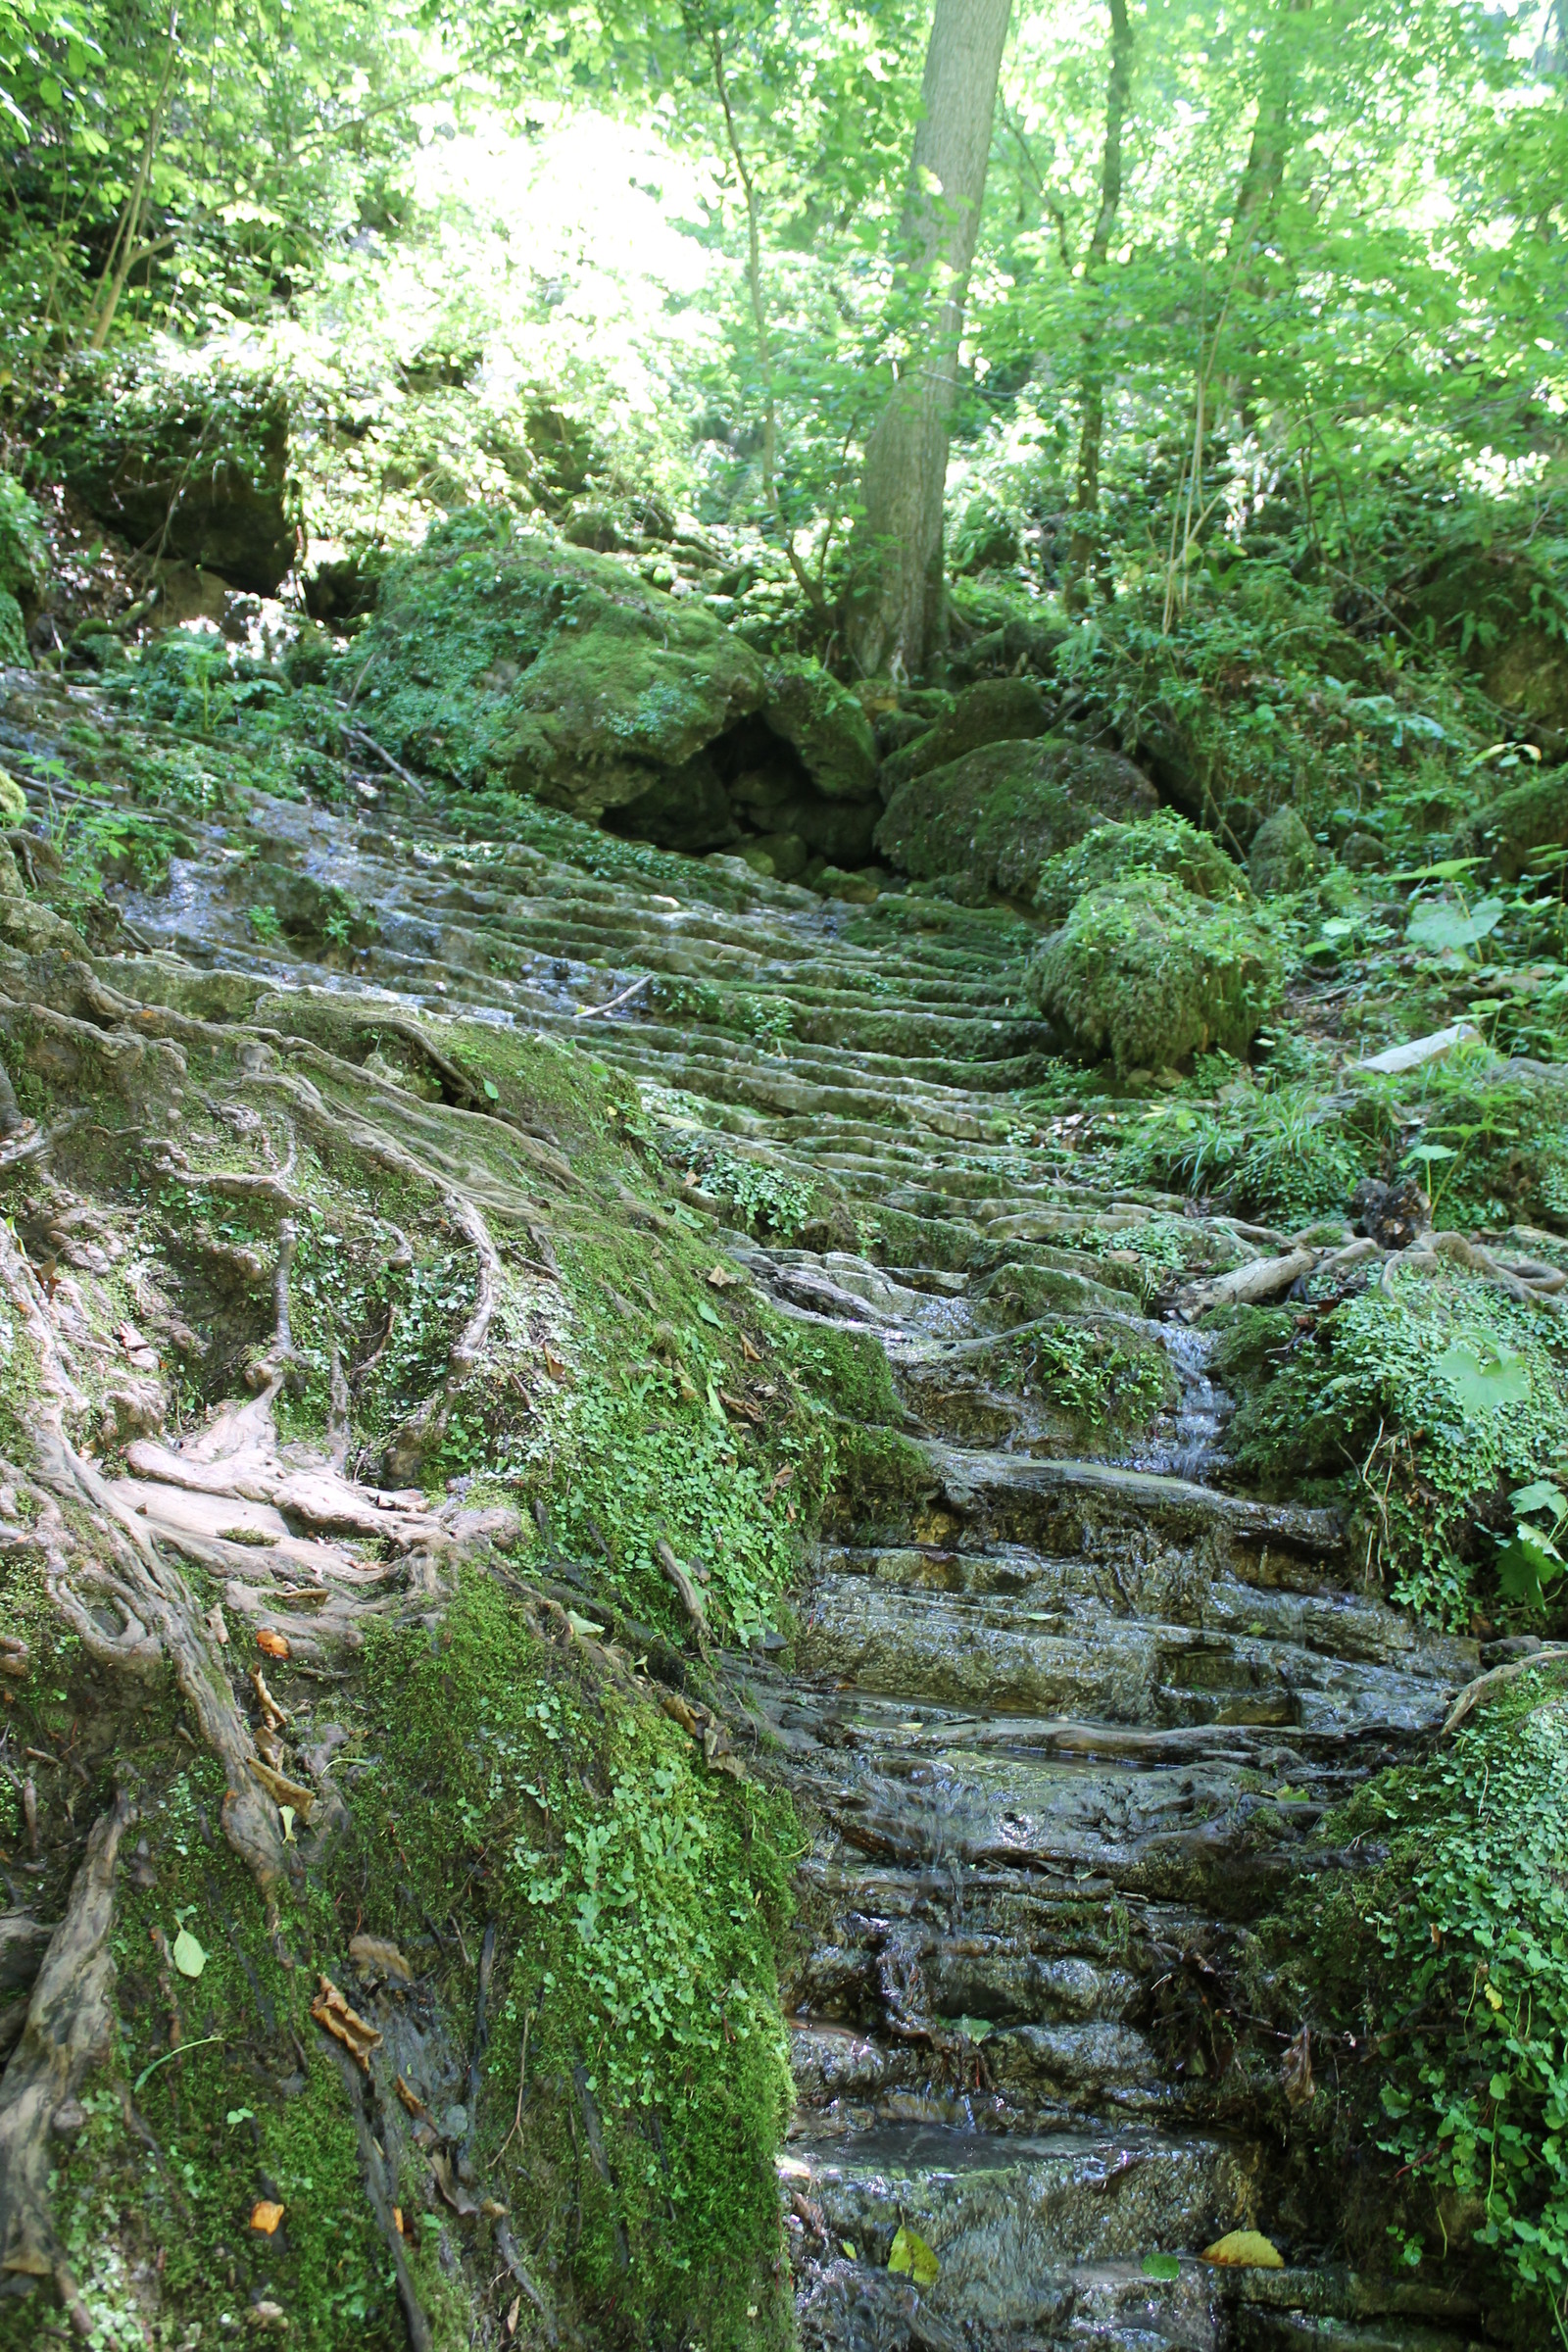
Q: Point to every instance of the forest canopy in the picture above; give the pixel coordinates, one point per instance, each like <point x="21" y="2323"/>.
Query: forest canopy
<point x="1293" y="265"/>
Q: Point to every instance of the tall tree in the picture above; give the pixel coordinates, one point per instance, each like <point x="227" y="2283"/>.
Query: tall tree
<point x="1083" y="545"/>
<point x="895" y="611"/>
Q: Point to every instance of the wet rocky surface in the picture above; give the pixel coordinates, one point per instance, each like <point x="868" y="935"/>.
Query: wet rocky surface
<point x="1063" y="1706"/>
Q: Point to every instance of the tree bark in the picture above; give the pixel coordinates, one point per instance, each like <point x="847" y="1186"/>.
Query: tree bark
<point x="1084" y="544"/>
<point x="896" y="609"/>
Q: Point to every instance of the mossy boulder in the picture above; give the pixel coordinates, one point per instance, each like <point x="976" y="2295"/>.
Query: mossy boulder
<point x="1162" y="844"/>
<point x="826" y="727"/>
<point x="203" y="478"/>
<point x="999" y="814"/>
<point x="1524" y="823"/>
<point x="1506" y="616"/>
<point x="494" y="655"/>
<point x="1283" y="856"/>
<point x="996" y="710"/>
<point x="1148" y="974"/>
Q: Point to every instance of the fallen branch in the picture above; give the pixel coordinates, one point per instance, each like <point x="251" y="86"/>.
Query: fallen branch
<point x="593" y="1013"/>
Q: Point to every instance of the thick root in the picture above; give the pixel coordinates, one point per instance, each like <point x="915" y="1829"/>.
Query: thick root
<point x="69" y="2026"/>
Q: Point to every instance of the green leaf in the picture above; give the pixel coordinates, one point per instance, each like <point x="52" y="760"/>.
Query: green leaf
<point x="492" y="1090"/>
<point x="1162" y="2266"/>
<point x="706" y="1312"/>
<point x="913" y="2258"/>
<point x="188" y="1955"/>
<point x="1442" y="927"/>
<point x="239" y="2115"/>
<point x="1525" y="1568"/>
<point x="1482" y="1378"/>
<point x="1540" y="1495"/>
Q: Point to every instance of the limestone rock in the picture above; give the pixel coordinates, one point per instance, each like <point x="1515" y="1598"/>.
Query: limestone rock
<point x="559" y="672"/>
<point x="1147" y="974"/>
<point x="996" y="710"/>
<point x="205" y="485"/>
<point x="826" y="727"/>
<point x="1529" y="820"/>
<point x="1283" y="856"/>
<point x="997" y="813"/>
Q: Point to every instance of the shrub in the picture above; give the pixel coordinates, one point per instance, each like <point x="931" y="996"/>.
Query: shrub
<point x="1426" y="1399"/>
<point x="1446" y="1959"/>
<point x="1149" y="974"/>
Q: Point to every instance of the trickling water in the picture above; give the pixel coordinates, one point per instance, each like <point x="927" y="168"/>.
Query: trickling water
<point x="1190" y="1443"/>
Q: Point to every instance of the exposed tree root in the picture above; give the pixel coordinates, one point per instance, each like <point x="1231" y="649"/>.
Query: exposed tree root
<point x="70" y="2024"/>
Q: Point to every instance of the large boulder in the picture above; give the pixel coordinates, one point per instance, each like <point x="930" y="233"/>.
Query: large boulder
<point x="203" y="481"/>
<point x="1148" y="974"/>
<point x="1524" y="826"/>
<point x="1283" y="856"/>
<point x="996" y="710"/>
<point x="998" y="815"/>
<point x="1503" y="614"/>
<point x="501" y="657"/>
<point x="1162" y="844"/>
<point x="826" y="728"/>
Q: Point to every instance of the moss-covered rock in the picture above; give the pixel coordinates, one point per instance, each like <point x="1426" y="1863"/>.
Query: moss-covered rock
<point x="825" y="726"/>
<point x="1463" y="1388"/>
<point x="996" y="815"/>
<point x="203" y="477"/>
<point x="996" y="710"/>
<point x="1146" y="973"/>
<point x="1283" y="856"/>
<point x="1522" y="824"/>
<point x="1503" y="614"/>
<point x="499" y="657"/>
<point x="1162" y="844"/>
<point x="1429" y="1938"/>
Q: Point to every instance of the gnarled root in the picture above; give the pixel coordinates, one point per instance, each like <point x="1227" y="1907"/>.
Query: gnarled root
<point x="69" y="2024"/>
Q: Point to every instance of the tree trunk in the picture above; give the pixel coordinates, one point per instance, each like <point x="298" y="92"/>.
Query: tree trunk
<point x="895" y="611"/>
<point x="1257" y="191"/>
<point x="1084" y="544"/>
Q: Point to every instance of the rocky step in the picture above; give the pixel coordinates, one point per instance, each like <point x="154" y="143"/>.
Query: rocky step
<point x="1154" y="1640"/>
<point x="1008" y="2215"/>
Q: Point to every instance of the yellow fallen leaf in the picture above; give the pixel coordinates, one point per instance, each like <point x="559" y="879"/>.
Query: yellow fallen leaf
<point x="1245" y="2250"/>
<point x="273" y="1643"/>
<point x="265" y="2216"/>
<point x="914" y="2257"/>
<point x="357" y="2036"/>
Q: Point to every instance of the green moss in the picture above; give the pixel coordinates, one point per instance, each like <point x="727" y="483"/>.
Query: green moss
<point x="998" y="815"/>
<point x="1164" y="843"/>
<point x="636" y="1899"/>
<point x="503" y="657"/>
<point x="1095" y="1379"/>
<point x="848" y="1370"/>
<point x="1247" y="1341"/>
<point x="1424" y="1400"/>
<point x="1442" y="1952"/>
<point x="1148" y="976"/>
